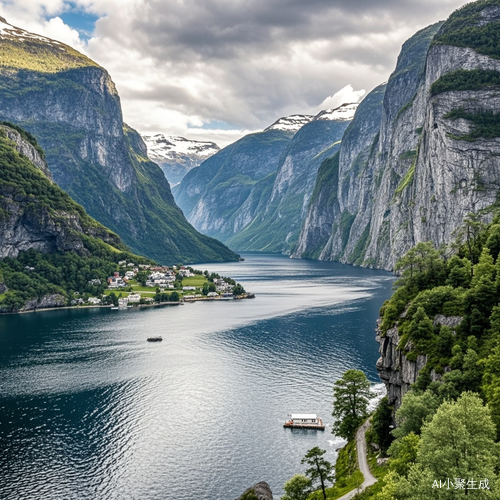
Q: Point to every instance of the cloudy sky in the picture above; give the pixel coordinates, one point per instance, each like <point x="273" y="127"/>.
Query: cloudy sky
<point x="216" y="69"/>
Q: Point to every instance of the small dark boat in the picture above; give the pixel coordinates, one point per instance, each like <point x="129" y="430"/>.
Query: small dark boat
<point x="154" y="339"/>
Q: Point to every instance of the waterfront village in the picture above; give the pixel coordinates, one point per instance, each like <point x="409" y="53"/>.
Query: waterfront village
<point x="144" y="284"/>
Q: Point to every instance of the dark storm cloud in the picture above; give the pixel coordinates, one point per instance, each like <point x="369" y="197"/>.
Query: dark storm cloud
<point x="257" y="60"/>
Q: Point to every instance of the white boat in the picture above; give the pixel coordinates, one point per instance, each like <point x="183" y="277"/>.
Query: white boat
<point x="304" y="421"/>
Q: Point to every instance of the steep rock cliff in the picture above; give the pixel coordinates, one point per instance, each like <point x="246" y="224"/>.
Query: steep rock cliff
<point x="435" y="158"/>
<point x="329" y="219"/>
<point x="375" y="153"/>
<point x="71" y="106"/>
<point x="34" y="212"/>
<point x="276" y="222"/>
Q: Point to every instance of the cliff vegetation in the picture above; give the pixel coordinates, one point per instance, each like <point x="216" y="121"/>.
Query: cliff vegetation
<point x="50" y="246"/>
<point x="446" y="310"/>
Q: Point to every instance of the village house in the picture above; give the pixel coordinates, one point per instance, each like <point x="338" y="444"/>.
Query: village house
<point x="186" y="273"/>
<point x="123" y="302"/>
<point x="189" y="288"/>
<point x="134" y="297"/>
<point x="94" y="300"/>
<point x="116" y="281"/>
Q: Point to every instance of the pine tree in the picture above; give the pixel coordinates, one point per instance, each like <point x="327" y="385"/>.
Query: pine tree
<point x="320" y="469"/>
<point x="351" y="393"/>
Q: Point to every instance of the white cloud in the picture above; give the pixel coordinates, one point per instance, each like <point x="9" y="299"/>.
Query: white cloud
<point x="180" y="65"/>
<point x="343" y="96"/>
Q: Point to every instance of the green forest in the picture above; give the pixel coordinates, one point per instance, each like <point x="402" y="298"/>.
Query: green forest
<point x="448" y="425"/>
<point x="446" y="441"/>
<point x="463" y="79"/>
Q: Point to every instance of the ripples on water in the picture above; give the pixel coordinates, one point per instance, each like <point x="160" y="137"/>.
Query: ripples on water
<point x="89" y="410"/>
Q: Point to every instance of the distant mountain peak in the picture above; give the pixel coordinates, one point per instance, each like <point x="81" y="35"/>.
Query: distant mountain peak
<point x="345" y="112"/>
<point x="164" y="146"/>
<point x="290" y="123"/>
<point x="7" y="30"/>
<point x="177" y="155"/>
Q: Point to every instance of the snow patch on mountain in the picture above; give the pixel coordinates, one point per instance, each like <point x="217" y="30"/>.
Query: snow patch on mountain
<point x="291" y="123"/>
<point x="7" y="30"/>
<point x="342" y="113"/>
<point x="177" y="155"/>
<point x="162" y="148"/>
<point x="296" y="122"/>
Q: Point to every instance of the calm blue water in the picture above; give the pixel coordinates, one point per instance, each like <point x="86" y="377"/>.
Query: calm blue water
<point x="90" y="410"/>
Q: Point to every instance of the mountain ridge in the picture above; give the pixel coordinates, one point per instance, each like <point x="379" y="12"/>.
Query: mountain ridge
<point x="176" y="156"/>
<point x="71" y="106"/>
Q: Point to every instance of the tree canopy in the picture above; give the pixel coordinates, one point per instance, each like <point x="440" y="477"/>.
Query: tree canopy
<point x="351" y="394"/>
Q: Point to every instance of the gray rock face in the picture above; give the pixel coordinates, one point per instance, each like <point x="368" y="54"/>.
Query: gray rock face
<point x="28" y="224"/>
<point x="261" y="490"/>
<point x="395" y="370"/>
<point x="26" y="149"/>
<point x="420" y="179"/>
<point x="72" y="107"/>
<point x="46" y="302"/>
<point x="276" y="221"/>
<point x="342" y="185"/>
<point x="375" y="154"/>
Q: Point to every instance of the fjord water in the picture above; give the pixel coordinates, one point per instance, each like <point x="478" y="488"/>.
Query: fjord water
<point x="90" y="410"/>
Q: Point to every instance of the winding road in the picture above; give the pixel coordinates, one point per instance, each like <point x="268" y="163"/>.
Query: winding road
<point x="362" y="462"/>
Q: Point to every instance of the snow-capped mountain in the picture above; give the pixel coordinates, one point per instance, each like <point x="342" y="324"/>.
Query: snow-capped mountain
<point x="177" y="155"/>
<point x="291" y="123"/>
<point x="9" y="31"/>
<point x="342" y="113"/>
<point x="294" y="123"/>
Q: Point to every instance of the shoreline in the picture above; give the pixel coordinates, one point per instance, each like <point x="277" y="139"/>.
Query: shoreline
<point x="139" y="306"/>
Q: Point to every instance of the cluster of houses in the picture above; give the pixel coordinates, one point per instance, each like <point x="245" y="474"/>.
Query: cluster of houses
<point x="159" y="277"/>
<point x="222" y="286"/>
<point x="162" y="277"/>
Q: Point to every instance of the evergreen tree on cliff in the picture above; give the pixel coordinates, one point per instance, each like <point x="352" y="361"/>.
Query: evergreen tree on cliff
<point x="351" y="393"/>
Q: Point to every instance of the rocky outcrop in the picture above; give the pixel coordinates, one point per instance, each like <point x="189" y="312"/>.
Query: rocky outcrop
<point x="70" y="104"/>
<point x="261" y="490"/>
<point x="27" y="149"/>
<point x="398" y="372"/>
<point x="45" y="302"/>
<point x="34" y="212"/>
